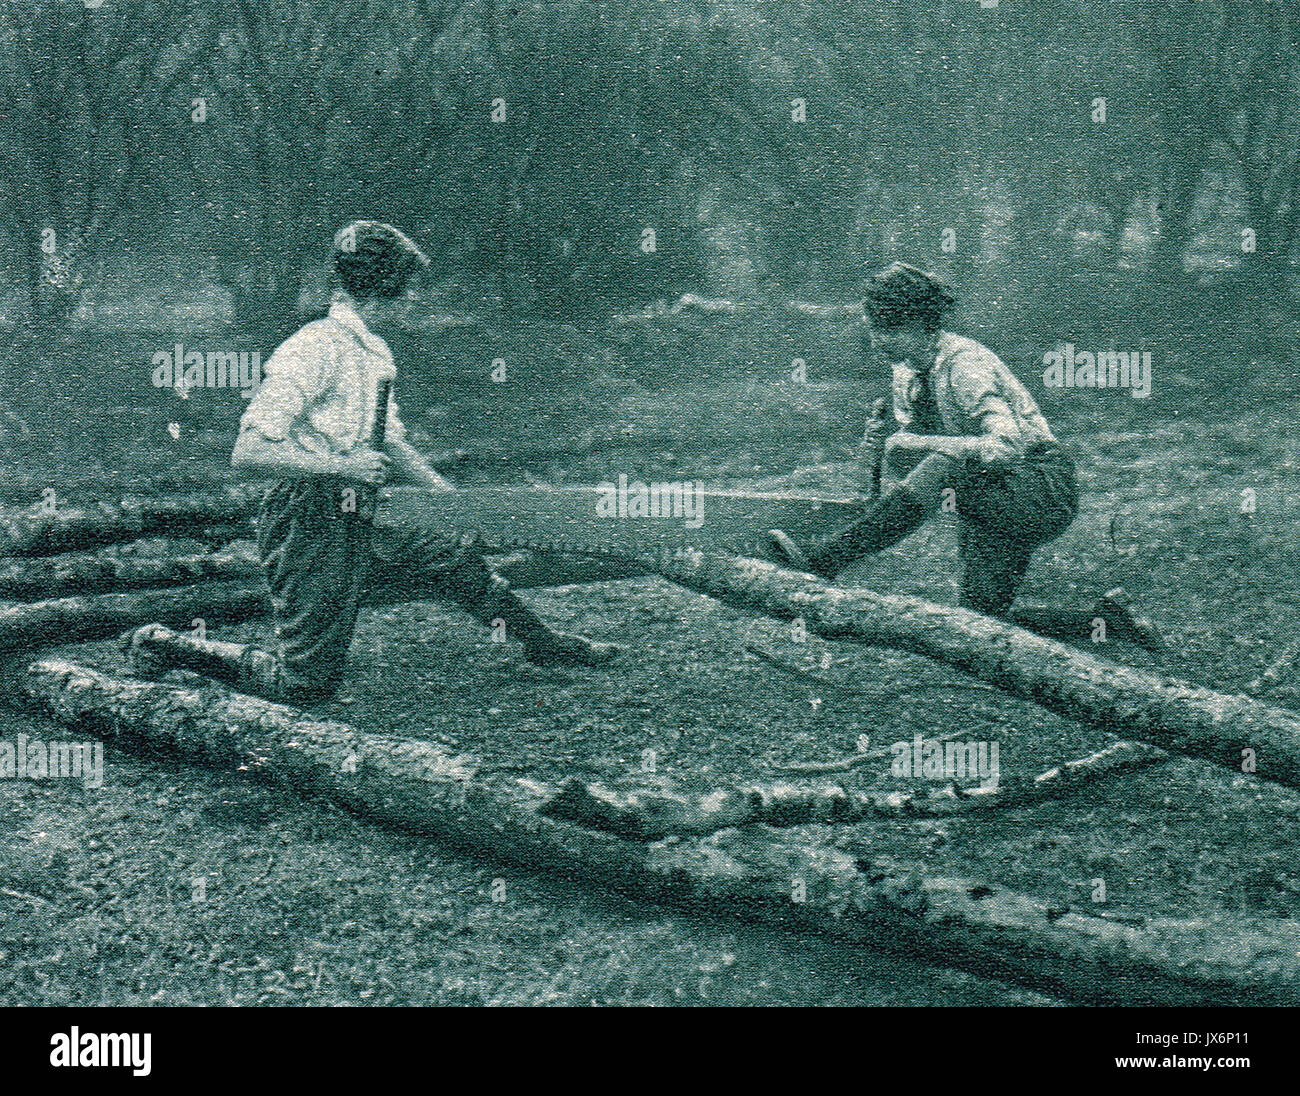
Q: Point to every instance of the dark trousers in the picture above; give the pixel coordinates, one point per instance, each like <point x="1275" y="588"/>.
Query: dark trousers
<point x="1005" y="514"/>
<point x="1006" y="511"/>
<point x="323" y="558"/>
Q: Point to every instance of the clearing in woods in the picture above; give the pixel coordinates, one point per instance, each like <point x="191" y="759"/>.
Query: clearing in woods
<point x="178" y="885"/>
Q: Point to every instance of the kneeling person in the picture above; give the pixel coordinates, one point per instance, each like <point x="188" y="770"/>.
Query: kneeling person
<point x="325" y="423"/>
<point x="968" y="427"/>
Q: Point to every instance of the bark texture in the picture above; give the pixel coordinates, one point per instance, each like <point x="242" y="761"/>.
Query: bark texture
<point x="654" y="809"/>
<point x="36" y="532"/>
<point x="99" y="616"/>
<point x="795" y="877"/>
<point x="83" y="573"/>
<point x="1238" y="732"/>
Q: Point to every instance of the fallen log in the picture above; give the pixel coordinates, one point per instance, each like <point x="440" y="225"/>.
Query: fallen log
<point x="73" y="573"/>
<point x="1112" y="760"/>
<point x="1115" y="754"/>
<point x="796" y="878"/>
<point x="83" y="573"/>
<point x="99" y="616"/>
<point x="38" y="531"/>
<point x="558" y="519"/>
<point x="208" y="596"/>
<point x="1238" y="732"/>
<point x="18" y="488"/>
<point x="219" y="587"/>
<point x="654" y="809"/>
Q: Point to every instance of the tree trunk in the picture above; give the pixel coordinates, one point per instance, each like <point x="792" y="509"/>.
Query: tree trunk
<point x="652" y="808"/>
<point x="796" y="878"/>
<point x="80" y="574"/>
<point x="80" y="619"/>
<point x="1238" y="732"/>
<point x="36" y="532"/>
<point x="551" y="521"/>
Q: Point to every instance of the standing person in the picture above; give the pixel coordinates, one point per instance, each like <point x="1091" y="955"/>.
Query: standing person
<point x="325" y="424"/>
<point x="966" y="425"/>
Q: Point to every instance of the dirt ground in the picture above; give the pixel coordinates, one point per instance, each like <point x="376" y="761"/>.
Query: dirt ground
<point x="301" y="904"/>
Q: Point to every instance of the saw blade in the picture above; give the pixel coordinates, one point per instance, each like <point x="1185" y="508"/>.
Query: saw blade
<point x="627" y="520"/>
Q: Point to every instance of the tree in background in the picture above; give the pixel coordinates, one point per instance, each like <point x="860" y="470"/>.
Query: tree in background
<point x="573" y="156"/>
<point x="86" y="102"/>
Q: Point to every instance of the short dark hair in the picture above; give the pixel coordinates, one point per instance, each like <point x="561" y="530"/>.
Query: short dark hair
<point x="372" y="259"/>
<point x="901" y="295"/>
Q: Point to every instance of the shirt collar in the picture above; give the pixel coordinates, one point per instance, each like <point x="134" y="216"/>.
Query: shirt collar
<point x="343" y="312"/>
<point x="944" y="348"/>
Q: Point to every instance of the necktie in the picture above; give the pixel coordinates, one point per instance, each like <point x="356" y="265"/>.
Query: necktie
<point x="380" y="429"/>
<point x="925" y="410"/>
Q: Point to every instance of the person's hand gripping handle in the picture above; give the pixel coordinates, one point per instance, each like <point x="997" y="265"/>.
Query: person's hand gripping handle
<point x="378" y="433"/>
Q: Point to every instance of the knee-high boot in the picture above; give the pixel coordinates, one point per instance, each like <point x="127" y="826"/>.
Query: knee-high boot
<point x="889" y="520"/>
<point x="488" y="598"/>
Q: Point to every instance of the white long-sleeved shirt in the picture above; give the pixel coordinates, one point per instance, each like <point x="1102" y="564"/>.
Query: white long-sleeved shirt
<point x="320" y="386"/>
<point x="975" y="395"/>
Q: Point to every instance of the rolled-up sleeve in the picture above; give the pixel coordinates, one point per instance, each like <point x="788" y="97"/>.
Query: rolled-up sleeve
<point x="292" y="379"/>
<point x="978" y="392"/>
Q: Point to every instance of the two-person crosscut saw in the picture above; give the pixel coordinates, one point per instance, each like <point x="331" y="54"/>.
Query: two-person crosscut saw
<point x="636" y="523"/>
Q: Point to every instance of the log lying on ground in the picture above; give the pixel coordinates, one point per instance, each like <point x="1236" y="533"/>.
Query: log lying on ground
<point x="33" y="532"/>
<point x="18" y="489"/>
<point x="419" y="787"/>
<point x="1131" y="703"/>
<point x="1172" y="714"/>
<point x="656" y="809"/>
<point x="99" y="616"/>
<point x="536" y="517"/>
<point x="1121" y="700"/>
<point x="240" y="595"/>
<point x="72" y="574"/>
<point x="83" y="573"/>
